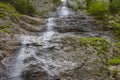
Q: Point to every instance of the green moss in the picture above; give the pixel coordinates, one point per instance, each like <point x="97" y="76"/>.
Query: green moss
<point x="117" y="44"/>
<point x="6" y="6"/>
<point x="4" y="26"/>
<point x="7" y="10"/>
<point x="6" y="31"/>
<point x="98" y="9"/>
<point x="114" y="72"/>
<point x="3" y="15"/>
<point x="116" y="28"/>
<point x="99" y="44"/>
<point x="114" y="61"/>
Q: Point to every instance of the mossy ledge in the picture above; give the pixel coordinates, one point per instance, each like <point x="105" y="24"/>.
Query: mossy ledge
<point x="101" y="45"/>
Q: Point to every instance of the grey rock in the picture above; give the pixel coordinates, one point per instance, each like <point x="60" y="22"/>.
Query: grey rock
<point x="35" y="72"/>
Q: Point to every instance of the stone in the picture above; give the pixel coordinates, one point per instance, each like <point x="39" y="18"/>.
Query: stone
<point x="32" y="20"/>
<point x="34" y="72"/>
<point x="29" y="59"/>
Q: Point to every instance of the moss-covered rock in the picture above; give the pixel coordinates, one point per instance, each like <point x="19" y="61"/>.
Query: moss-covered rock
<point x="101" y="45"/>
<point x="114" y="61"/>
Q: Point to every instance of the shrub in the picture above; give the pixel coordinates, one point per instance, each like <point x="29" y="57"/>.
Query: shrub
<point x="116" y="28"/>
<point x="114" y="6"/>
<point x="98" y="9"/>
<point x="88" y="2"/>
<point x="22" y="6"/>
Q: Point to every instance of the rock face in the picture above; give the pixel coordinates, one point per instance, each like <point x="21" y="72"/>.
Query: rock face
<point x="75" y="25"/>
<point x="35" y="72"/>
<point x="68" y="58"/>
<point x="43" y="6"/>
<point x="66" y="51"/>
<point x="11" y="25"/>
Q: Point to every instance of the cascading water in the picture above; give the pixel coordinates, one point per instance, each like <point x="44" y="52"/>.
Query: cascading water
<point x="64" y="11"/>
<point x="64" y="2"/>
<point x="27" y="49"/>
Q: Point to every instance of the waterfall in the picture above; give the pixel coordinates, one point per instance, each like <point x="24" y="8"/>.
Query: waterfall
<point x="64" y="11"/>
<point x="64" y="2"/>
<point x="27" y="49"/>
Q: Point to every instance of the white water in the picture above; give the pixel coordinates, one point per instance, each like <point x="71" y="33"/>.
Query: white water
<point x="64" y="11"/>
<point x="29" y="51"/>
<point x="64" y="2"/>
<point x="19" y="64"/>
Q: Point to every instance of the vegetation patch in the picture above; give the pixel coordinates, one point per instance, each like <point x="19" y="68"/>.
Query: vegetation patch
<point x="117" y="44"/>
<point x="6" y="31"/>
<point x="3" y="15"/>
<point x="114" y="61"/>
<point x="22" y="6"/>
<point x="98" y="9"/>
<point x="116" y="28"/>
<point x="4" y="28"/>
<point x="7" y="10"/>
<point x="114" y="6"/>
<point x="101" y="45"/>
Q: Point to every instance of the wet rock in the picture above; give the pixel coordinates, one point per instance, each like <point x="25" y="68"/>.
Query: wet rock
<point x="1" y="55"/>
<point x="34" y="72"/>
<point x="74" y="25"/>
<point x="28" y="27"/>
<point x="32" y="20"/>
<point x="29" y="59"/>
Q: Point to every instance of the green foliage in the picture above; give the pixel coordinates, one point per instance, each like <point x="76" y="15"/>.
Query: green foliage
<point x="7" y="31"/>
<point x="117" y="44"/>
<point x="22" y="6"/>
<point x="6" y="10"/>
<point x="114" y="6"/>
<point x="116" y="28"/>
<point x="117" y="47"/>
<point x="6" y="6"/>
<point x="4" y="26"/>
<point x="114" y="72"/>
<point x="99" y="44"/>
<point x="2" y="15"/>
<point x="88" y="2"/>
<point x="114" y="61"/>
<point x="98" y="9"/>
